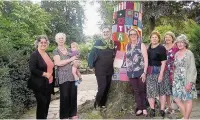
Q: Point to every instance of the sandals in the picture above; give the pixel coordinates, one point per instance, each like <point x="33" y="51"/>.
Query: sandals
<point x="145" y="113"/>
<point x="139" y="112"/>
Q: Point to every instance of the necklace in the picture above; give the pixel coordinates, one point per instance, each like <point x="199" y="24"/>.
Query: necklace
<point x="62" y="49"/>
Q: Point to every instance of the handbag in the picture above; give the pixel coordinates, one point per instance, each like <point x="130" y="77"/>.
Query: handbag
<point x="56" y="83"/>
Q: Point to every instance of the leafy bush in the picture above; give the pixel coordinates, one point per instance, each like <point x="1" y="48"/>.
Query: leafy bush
<point x="15" y="97"/>
<point x="194" y="37"/>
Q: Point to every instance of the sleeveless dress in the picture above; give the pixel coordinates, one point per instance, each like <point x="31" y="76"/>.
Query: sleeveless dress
<point x="178" y="88"/>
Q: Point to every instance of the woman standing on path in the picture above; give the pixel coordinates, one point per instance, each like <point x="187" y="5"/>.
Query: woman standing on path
<point x="41" y="67"/>
<point x="137" y="63"/>
<point x="185" y="75"/>
<point x="101" y="59"/>
<point x="68" y="89"/>
<point x="156" y="65"/>
<point x="169" y="39"/>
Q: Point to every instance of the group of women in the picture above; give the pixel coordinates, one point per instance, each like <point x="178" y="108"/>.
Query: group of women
<point x="160" y="71"/>
<point x="154" y="71"/>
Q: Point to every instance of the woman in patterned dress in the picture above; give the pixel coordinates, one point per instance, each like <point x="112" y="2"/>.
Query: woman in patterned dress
<point x="169" y="39"/>
<point x="156" y="65"/>
<point x="185" y="74"/>
<point x="68" y="90"/>
<point x="137" y="62"/>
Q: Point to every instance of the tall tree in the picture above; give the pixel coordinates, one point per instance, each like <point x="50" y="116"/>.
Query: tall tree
<point x="22" y="21"/>
<point x="68" y="17"/>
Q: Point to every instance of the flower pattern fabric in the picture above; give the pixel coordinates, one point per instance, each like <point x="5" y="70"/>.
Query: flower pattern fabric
<point x="134" y="61"/>
<point x="178" y="88"/>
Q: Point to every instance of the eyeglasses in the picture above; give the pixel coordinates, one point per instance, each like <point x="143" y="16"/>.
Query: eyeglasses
<point x="106" y="31"/>
<point x="132" y="34"/>
<point x="43" y="42"/>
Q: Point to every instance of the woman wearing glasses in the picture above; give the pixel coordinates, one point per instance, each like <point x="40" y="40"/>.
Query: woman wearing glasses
<point x="41" y="68"/>
<point x="137" y="62"/>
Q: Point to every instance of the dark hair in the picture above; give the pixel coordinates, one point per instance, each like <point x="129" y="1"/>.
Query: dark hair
<point x="38" y="39"/>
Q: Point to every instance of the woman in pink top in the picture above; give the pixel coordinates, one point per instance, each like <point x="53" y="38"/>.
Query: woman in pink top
<point x="171" y="48"/>
<point x="41" y="68"/>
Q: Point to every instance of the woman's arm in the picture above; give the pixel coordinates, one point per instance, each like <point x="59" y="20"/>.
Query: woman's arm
<point x="145" y="56"/>
<point x="33" y="64"/>
<point x="59" y="62"/>
<point x="163" y="58"/>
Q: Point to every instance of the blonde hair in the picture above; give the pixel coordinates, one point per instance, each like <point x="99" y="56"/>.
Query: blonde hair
<point x="58" y="35"/>
<point x="170" y="34"/>
<point x="75" y="44"/>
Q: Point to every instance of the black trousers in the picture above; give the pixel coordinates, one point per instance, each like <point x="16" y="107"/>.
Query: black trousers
<point x="68" y="99"/>
<point x="43" y="100"/>
<point x="103" y="88"/>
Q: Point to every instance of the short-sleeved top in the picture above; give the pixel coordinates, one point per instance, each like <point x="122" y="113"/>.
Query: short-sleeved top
<point x="156" y="55"/>
<point x="64" y="72"/>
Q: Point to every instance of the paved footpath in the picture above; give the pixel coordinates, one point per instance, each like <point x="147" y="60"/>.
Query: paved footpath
<point x="86" y="91"/>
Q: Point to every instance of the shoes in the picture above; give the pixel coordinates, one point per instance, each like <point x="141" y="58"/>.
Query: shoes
<point x="152" y="113"/>
<point x="139" y="112"/>
<point x="145" y="113"/>
<point x="162" y="113"/>
<point x="168" y="111"/>
<point x="74" y="117"/>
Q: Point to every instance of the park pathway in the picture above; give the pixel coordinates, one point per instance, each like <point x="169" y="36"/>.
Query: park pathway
<point x="87" y="91"/>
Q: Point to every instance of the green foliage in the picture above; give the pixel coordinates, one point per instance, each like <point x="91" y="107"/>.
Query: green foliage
<point x="68" y="17"/>
<point x="22" y="22"/>
<point x="14" y="73"/>
<point x="5" y="85"/>
<point x="194" y="37"/>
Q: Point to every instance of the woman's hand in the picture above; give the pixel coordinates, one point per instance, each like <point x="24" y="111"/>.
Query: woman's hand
<point x="188" y="87"/>
<point x="160" y="78"/>
<point x="143" y="77"/>
<point x="73" y="58"/>
<point x="47" y="75"/>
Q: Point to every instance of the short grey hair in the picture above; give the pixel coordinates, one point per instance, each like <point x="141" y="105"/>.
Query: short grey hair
<point x="183" y="38"/>
<point x="60" y="35"/>
<point x="38" y="39"/>
<point x="106" y="27"/>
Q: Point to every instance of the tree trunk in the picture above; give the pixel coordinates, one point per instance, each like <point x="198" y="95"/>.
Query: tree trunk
<point x="152" y="20"/>
<point x="120" y="100"/>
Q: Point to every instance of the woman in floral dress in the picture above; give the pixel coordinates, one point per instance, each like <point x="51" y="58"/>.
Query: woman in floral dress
<point x="169" y="39"/>
<point x="185" y="74"/>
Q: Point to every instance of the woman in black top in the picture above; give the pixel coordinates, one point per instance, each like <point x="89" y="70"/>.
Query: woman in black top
<point x="156" y="64"/>
<point x="101" y="59"/>
<point x="42" y="76"/>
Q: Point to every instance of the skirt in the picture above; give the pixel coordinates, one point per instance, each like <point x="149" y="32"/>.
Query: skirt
<point x="167" y="83"/>
<point x="153" y="87"/>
